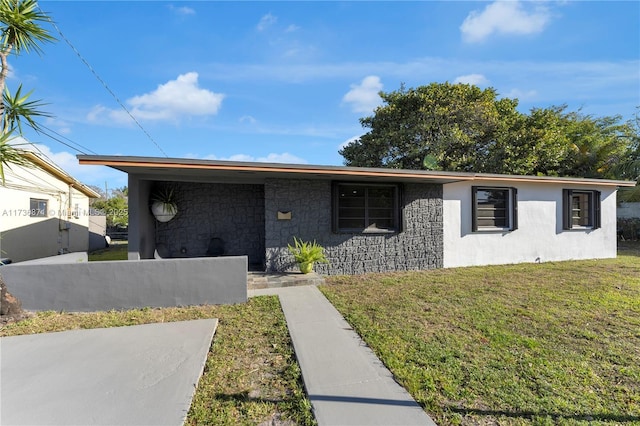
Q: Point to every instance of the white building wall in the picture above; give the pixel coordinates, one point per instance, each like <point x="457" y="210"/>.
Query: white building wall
<point x="23" y="237"/>
<point x="539" y="237"/>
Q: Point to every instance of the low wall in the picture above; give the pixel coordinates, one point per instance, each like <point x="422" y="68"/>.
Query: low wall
<point x="128" y="284"/>
<point x="77" y="257"/>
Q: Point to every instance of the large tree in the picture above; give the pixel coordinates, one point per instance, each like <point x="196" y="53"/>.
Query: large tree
<point x="629" y="167"/>
<point x="449" y="125"/>
<point x="460" y="127"/>
<point x="115" y="207"/>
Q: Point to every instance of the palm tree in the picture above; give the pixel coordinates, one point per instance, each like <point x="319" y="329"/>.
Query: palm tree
<point x="20" y="32"/>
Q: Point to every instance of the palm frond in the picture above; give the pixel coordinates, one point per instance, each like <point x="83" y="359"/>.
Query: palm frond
<point x="18" y="107"/>
<point x="9" y="155"/>
<point x="21" y="26"/>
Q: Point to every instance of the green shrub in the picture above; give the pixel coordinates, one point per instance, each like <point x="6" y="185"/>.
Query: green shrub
<point x="307" y="252"/>
<point x="629" y="228"/>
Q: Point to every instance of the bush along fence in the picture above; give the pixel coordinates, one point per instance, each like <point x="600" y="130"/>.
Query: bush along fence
<point x="628" y="228"/>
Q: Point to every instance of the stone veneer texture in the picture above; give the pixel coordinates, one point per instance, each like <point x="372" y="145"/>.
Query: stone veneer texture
<point x="233" y="212"/>
<point x="419" y="245"/>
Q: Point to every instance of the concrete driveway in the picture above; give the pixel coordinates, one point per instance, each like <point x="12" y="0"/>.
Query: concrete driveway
<point x="139" y="375"/>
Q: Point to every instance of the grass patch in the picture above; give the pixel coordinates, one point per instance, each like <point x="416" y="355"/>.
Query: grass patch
<point x="115" y="251"/>
<point x="251" y="374"/>
<point x="552" y="343"/>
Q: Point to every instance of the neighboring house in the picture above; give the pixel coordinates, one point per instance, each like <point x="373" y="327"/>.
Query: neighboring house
<point x="43" y="211"/>
<point x="97" y="230"/>
<point x="368" y="220"/>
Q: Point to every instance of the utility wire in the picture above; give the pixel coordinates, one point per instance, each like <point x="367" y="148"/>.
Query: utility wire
<point x="104" y="84"/>
<point x="84" y="149"/>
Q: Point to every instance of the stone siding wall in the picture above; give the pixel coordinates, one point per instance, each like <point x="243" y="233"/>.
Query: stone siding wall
<point x="233" y="212"/>
<point x="417" y="247"/>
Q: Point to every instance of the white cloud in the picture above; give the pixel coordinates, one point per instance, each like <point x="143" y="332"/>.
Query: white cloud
<point x="247" y="119"/>
<point x="181" y="96"/>
<point x="65" y="160"/>
<point x="504" y="17"/>
<point x="348" y="141"/>
<point x="170" y="101"/>
<point x="182" y="10"/>
<point x="89" y="175"/>
<point x="364" y="97"/>
<point x="522" y="95"/>
<point x="266" y="21"/>
<point x="97" y="111"/>
<point x="285" y="157"/>
<point x="475" y="79"/>
<point x="61" y="127"/>
<point x="292" y="28"/>
<point x="582" y="83"/>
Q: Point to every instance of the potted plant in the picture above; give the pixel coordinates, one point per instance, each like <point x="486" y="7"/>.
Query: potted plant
<point x="163" y="203"/>
<point x="306" y="254"/>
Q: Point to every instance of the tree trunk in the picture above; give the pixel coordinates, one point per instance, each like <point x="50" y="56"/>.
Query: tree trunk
<point x="4" y="72"/>
<point x="9" y="305"/>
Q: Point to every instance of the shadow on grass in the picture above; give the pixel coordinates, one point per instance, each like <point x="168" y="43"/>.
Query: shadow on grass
<point x="241" y="397"/>
<point x="555" y="416"/>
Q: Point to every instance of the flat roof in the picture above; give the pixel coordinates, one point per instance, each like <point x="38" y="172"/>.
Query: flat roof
<point x="246" y="171"/>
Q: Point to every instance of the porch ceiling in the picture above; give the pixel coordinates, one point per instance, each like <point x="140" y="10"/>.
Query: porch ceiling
<point x="181" y="169"/>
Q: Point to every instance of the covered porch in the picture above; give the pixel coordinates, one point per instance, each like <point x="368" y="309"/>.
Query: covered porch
<point x="212" y="219"/>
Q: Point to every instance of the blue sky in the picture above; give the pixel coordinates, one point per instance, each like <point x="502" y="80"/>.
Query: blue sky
<point x="288" y="81"/>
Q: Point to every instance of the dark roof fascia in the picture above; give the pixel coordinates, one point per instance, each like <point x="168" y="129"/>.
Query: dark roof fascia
<point x="126" y="163"/>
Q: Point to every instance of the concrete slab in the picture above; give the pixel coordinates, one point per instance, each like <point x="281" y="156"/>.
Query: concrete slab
<point x="346" y="383"/>
<point x="139" y="375"/>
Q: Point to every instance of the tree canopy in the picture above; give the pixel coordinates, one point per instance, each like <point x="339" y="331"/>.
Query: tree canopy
<point x="461" y="127"/>
<point x="115" y="206"/>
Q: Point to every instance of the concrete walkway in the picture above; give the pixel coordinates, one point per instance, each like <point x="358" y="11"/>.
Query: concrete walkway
<point x="139" y="375"/>
<point x="346" y="383"/>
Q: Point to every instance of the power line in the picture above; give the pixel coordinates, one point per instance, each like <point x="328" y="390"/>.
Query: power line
<point x="104" y="84"/>
<point x="84" y="149"/>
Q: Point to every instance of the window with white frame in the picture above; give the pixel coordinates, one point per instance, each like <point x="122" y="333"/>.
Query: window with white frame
<point x="367" y="208"/>
<point x="494" y="208"/>
<point x="580" y="209"/>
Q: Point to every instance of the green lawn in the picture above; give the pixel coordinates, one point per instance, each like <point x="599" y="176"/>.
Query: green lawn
<point x="552" y="343"/>
<point x="116" y="251"/>
<point x="251" y="374"/>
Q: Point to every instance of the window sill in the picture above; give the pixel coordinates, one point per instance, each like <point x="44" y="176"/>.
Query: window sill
<point x="492" y="230"/>
<point x="579" y="228"/>
<point x="367" y="231"/>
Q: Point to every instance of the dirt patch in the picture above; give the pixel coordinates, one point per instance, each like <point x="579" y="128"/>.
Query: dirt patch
<point x="10" y="307"/>
<point x="8" y="319"/>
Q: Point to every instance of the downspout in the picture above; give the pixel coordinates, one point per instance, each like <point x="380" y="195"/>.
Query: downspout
<point x="67" y="224"/>
<point x="70" y="202"/>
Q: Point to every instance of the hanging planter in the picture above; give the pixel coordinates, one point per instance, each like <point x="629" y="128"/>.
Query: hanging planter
<point x="163" y="204"/>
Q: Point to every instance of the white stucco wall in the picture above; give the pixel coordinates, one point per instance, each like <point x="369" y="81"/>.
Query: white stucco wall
<point x="23" y="237"/>
<point x="539" y="237"/>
